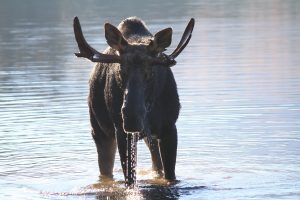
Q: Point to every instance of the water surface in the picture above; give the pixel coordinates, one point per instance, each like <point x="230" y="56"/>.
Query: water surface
<point x="239" y="85"/>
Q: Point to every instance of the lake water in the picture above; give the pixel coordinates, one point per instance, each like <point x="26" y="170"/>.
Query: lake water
<point x="239" y="85"/>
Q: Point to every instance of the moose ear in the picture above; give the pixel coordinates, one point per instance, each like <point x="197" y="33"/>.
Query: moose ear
<point x="114" y="37"/>
<point x="161" y="40"/>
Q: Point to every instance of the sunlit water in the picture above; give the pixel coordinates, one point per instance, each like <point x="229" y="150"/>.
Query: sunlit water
<point x="239" y="85"/>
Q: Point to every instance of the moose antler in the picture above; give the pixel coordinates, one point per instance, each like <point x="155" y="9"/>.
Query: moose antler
<point x="86" y="51"/>
<point x="184" y="39"/>
<point x="169" y="60"/>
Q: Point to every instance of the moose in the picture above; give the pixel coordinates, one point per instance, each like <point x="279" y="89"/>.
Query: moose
<point x="133" y="94"/>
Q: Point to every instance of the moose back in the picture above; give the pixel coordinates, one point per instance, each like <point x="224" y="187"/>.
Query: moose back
<point x="133" y="92"/>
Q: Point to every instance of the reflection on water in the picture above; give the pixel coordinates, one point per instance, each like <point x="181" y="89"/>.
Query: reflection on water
<point x="238" y="82"/>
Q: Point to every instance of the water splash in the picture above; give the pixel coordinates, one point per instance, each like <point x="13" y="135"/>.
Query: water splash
<point x="131" y="160"/>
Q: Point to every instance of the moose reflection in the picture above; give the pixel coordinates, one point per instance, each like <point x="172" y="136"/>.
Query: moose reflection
<point x="133" y="94"/>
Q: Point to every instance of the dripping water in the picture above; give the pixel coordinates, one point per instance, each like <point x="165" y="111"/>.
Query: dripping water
<point x="131" y="160"/>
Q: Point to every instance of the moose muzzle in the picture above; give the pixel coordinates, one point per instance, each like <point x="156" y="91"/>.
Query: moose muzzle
<point x="133" y="108"/>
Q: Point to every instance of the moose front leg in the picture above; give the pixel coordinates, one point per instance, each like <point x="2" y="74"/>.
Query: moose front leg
<point x="168" y="151"/>
<point x="106" y="148"/>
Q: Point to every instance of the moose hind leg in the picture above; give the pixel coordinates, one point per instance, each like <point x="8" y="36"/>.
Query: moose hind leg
<point x="168" y="151"/>
<point x="155" y="155"/>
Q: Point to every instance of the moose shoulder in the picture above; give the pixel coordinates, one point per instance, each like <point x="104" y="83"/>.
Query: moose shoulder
<point x="132" y="90"/>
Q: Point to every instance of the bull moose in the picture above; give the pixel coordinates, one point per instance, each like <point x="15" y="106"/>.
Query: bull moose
<point x="133" y="92"/>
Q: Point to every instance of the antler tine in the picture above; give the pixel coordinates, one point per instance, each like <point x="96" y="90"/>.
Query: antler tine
<point x="86" y="51"/>
<point x="184" y="39"/>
